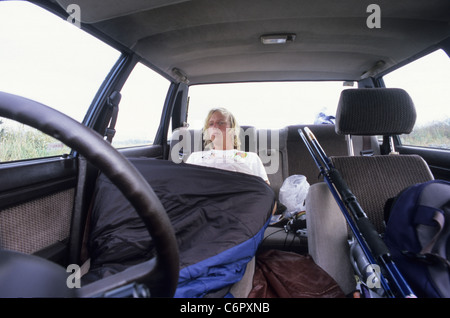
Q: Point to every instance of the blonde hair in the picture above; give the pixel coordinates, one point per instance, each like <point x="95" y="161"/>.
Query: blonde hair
<point x="233" y="123"/>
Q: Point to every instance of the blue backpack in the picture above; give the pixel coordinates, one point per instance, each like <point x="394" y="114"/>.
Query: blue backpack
<point x="418" y="236"/>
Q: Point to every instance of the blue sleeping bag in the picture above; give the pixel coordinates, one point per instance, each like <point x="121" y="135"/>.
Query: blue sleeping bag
<point x="219" y="218"/>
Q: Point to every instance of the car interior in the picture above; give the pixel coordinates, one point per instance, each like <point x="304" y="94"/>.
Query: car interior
<point x="48" y="204"/>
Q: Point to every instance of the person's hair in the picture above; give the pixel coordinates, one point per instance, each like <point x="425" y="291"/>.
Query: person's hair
<point x="233" y="123"/>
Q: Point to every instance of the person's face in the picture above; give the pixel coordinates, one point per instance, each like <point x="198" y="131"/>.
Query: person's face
<point x="220" y="132"/>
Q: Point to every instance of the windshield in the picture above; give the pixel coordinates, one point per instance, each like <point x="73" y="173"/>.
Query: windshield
<point x="267" y="105"/>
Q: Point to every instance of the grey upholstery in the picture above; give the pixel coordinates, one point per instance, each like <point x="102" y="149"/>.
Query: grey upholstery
<point x="299" y="159"/>
<point x="273" y="153"/>
<point x="185" y="141"/>
<point x="368" y="112"/>
<point x="375" y="111"/>
<point x="327" y="236"/>
<point x="375" y="179"/>
<point x="248" y="139"/>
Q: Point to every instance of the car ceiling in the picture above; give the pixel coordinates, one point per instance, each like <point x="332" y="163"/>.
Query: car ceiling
<point x="209" y="41"/>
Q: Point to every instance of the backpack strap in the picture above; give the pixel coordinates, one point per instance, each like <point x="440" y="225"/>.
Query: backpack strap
<point x="426" y="253"/>
<point x="439" y="219"/>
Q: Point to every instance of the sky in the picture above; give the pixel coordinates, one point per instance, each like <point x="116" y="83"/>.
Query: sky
<point x="39" y="54"/>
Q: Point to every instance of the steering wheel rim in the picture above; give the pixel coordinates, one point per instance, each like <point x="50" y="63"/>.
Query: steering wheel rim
<point x="118" y="169"/>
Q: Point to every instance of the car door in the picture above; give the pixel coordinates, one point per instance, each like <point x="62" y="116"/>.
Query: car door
<point x="47" y="59"/>
<point x="45" y="187"/>
<point x="426" y="80"/>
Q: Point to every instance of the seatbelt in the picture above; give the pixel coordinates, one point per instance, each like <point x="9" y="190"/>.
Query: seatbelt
<point x="113" y="102"/>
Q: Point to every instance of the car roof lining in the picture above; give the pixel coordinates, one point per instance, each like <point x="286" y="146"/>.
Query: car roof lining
<point x="213" y="41"/>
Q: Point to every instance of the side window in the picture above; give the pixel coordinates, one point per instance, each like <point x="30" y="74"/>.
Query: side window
<point x="140" y="108"/>
<point x="427" y="81"/>
<point x="49" y="60"/>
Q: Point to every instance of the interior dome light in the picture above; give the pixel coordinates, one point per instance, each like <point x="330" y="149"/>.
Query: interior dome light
<point x="277" y="38"/>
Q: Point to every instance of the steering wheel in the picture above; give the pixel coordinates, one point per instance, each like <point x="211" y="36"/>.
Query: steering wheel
<point x="162" y="276"/>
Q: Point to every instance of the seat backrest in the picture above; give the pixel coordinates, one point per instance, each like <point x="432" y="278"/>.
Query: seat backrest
<point x="374" y="179"/>
<point x="273" y="153"/>
<point x="299" y="158"/>
<point x="185" y="141"/>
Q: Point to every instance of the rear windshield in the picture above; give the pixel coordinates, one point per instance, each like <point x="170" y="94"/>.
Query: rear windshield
<point x="268" y="105"/>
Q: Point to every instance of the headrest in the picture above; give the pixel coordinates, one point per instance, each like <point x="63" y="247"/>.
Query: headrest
<point x="375" y="111"/>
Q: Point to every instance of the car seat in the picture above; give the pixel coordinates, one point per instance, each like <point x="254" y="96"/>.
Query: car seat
<point x="373" y="179"/>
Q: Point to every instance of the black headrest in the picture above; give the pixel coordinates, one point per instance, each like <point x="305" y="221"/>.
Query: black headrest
<point x="375" y="111"/>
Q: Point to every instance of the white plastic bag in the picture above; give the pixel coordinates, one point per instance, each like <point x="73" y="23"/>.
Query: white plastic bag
<point x="293" y="193"/>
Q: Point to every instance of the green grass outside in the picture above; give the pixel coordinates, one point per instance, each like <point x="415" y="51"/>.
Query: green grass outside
<point x="20" y="143"/>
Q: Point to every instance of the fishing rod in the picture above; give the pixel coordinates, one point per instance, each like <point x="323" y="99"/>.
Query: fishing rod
<point x="371" y="244"/>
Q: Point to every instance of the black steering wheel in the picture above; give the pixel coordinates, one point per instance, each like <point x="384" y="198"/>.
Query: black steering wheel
<point x="161" y="275"/>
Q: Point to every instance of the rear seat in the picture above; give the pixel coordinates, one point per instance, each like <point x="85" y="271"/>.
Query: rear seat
<point x="289" y="155"/>
<point x="295" y="159"/>
<point x="185" y="141"/>
<point x="272" y="150"/>
<point x="299" y="158"/>
<point x="282" y="151"/>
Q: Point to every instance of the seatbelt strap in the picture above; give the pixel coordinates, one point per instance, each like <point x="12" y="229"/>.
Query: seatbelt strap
<point x="113" y="103"/>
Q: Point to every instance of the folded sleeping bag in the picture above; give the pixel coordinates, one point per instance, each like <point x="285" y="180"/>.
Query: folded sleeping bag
<point x="219" y="218"/>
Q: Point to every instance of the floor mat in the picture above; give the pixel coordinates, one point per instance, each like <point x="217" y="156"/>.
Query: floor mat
<point x="281" y="274"/>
